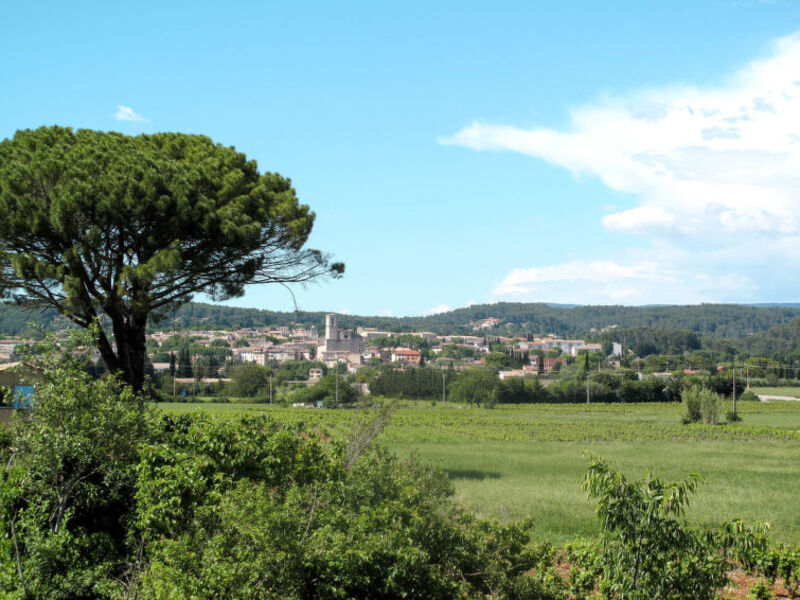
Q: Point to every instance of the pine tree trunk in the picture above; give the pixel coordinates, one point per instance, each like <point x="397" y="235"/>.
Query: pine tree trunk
<point x="129" y="335"/>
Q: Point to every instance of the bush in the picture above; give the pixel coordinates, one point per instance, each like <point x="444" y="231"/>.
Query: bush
<point x="692" y="402"/>
<point x="760" y="591"/>
<point x="272" y="511"/>
<point x="732" y="417"/>
<point x="710" y="405"/>
<point x="749" y="396"/>
<point x="646" y="552"/>
<point x="701" y="405"/>
<point x="67" y="488"/>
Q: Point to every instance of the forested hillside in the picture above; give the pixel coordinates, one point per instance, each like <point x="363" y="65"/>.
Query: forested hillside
<point x="706" y="320"/>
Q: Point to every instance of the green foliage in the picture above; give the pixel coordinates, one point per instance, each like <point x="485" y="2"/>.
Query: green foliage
<point x="748" y="396"/>
<point x="722" y="384"/>
<point x="788" y="568"/>
<point x="646" y="551"/>
<point x="760" y="591"/>
<point x="692" y="401"/>
<point x="710" y="405"/>
<point x="474" y="386"/>
<point x="68" y="483"/>
<point x="268" y="511"/>
<point x="733" y="417"/>
<point x="104" y="224"/>
<point x="249" y="379"/>
<point x="701" y="405"/>
<point x="297" y="370"/>
<point x="325" y="391"/>
<point x="646" y="340"/>
<point x="410" y="383"/>
<point x="497" y="360"/>
<point x="646" y="390"/>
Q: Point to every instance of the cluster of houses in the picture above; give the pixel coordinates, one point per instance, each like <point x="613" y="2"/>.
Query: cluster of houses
<point x="357" y="347"/>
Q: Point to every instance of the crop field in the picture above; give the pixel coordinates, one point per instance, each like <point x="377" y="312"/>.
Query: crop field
<point x="779" y="391"/>
<point x="515" y="461"/>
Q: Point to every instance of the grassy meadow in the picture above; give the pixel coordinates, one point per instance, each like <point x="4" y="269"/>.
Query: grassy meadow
<point x="793" y="391"/>
<point x="514" y="461"/>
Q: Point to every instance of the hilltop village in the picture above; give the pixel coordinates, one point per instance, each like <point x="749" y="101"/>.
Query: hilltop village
<point x="216" y="354"/>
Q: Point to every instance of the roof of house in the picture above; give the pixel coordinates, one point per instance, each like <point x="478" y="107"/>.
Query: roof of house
<point x="406" y="352"/>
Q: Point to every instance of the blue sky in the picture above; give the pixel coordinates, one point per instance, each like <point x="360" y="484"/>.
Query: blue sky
<point x="458" y="152"/>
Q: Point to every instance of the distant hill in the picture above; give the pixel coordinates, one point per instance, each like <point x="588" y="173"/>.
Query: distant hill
<point x="780" y="342"/>
<point x="709" y="320"/>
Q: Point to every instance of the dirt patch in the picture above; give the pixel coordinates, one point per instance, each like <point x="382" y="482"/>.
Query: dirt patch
<point x="742" y="582"/>
<point x="739" y="587"/>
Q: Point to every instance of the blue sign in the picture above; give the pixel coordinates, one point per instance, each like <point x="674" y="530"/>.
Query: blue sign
<point x="23" y="397"/>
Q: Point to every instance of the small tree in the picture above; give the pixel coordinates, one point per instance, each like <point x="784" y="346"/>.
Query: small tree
<point x="646" y="551"/>
<point x="473" y="386"/>
<point x="249" y="378"/>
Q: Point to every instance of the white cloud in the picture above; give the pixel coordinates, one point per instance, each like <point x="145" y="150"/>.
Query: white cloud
<point x="345" y="311"/>
<point x="610" y="282"/>
<point x="435" y="310"/>
<point x="725" y="157"/>
<point x="713" y="172"/>
<point x="126" y="113"/>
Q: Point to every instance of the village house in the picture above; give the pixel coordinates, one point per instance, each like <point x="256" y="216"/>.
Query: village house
<point x="406" y="356"/>
<point x="551" y="362"/>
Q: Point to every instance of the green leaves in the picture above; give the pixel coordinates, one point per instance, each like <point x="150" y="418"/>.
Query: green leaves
<point x="99" y="222"/>
<point x="646" y="552"/>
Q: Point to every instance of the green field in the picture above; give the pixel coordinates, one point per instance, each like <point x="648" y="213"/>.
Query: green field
<point x="514" y="461"/>
<point x="778" y="391"/>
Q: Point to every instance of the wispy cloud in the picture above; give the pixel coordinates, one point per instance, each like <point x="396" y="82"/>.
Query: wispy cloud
<point x="630" y="282"/>
<point x="711" y="168"/>
<point x="126" y="113"/>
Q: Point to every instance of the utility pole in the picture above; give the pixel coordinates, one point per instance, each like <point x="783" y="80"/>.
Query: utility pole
<point x="734" y="388"/>
<point x="444" y="387"/>
<point x="337" y="381"/>
<point x="588" y="400"/>
<point x="270" y="387"/>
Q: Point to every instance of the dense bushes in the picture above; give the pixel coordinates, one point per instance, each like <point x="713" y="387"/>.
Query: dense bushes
<point x="408" y="383"/>
<point x="100" y="499"/>
<point x="68" y="485"/>
<point x="325" y="391"/>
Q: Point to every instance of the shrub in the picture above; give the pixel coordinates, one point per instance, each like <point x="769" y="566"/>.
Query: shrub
<point x="710" y="405"/>
<point x="749" y="396"/>
<point x="760" y="591"/>
<point x="66" y="492"/>
<point x="646" y="552"/>
<point x="701" y="405"/>
<point x="271" y="511"/>
<point x="692" y="402"/>
<point x="732" y="417"/>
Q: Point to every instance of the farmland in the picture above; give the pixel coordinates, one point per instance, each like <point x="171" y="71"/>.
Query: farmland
<point x="515" y="461"/>
<point x="793" y="391"/>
